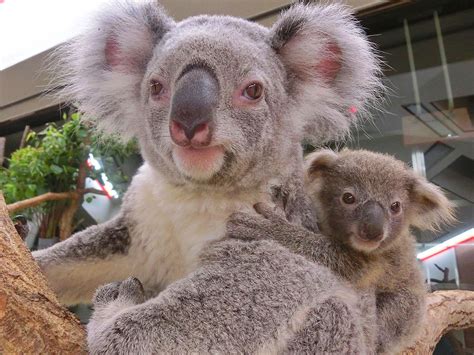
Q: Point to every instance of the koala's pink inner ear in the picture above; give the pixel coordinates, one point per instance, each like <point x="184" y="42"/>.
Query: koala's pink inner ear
<point x="329" y="66"/>
<point x="112" y="52"/>
<point x="312" y="54"/>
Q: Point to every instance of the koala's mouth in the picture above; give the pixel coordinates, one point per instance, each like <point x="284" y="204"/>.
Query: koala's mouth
<point x="364" y="244"/>
<point x="199" y="163"/>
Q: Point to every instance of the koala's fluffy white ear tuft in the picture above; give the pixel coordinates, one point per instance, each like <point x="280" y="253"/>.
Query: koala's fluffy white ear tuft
<point x="101" y="70"/>
<point x="318" y="162"/>
<point x="333" y="70"/>
<point x="430" y="207"/>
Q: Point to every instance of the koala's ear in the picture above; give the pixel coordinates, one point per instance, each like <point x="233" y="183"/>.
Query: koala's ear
<point x="102" y="69"/>
<point x="318" y="162"/>
<point x="333" y="71"/>
<point x="430" y="207"/>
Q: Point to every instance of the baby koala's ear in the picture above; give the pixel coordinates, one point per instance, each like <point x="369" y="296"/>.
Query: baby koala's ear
<point x="430" y="206"/>
<point x="318" y="162"/>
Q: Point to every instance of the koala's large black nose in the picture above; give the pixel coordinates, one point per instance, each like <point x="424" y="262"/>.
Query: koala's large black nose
<point x="371" y="225"/>
<point x="192" y="107"/>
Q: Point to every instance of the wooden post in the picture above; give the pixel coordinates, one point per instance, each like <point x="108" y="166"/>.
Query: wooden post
<point x="24" y="136"/>
<point x="31" y="318"/>
<point x="2" y="149"/>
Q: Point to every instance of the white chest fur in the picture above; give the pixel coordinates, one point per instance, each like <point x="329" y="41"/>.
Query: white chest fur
<point x="174" y="224"/>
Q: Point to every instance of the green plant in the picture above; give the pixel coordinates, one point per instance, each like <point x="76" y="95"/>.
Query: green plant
<point x="47" y="177"/>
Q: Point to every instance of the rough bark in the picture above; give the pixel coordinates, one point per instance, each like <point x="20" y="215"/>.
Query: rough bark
<point x="31" y="319"/>
<point x="447" y="310"/>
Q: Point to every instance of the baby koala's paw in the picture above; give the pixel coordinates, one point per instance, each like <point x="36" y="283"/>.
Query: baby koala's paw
<point x="129" y="292"/>
<point x="106" y="294"/>
<point x="132" y="290"/>
<point x="252" y="226"/>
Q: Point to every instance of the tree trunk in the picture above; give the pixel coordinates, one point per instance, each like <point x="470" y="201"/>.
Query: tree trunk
<point x="447" y="310"/>
<point x="67" y="218"/>
<point x="31" y="318"/>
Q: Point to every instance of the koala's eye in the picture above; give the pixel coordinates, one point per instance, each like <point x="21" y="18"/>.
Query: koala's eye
<point x="155" y="88"/>
<point x="348" y="198"/>
<point x="395" y="207"/>
<point x="254" y="91"/>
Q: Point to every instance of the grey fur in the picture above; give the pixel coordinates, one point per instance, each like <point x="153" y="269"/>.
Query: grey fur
<point x="254" y="297"/>
<point x="77" y="257"/>
<point x="107" y="73"/>
<point x="390" y="267"/>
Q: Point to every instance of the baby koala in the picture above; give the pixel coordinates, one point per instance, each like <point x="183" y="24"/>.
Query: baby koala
<point x="365" y="204"/>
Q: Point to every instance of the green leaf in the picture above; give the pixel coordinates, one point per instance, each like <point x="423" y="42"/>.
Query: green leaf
<point x="89" y="199"/>
<point x="56" y="169"/>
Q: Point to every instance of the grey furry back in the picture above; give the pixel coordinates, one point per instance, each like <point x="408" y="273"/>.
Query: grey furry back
<point x="248" y="297"/>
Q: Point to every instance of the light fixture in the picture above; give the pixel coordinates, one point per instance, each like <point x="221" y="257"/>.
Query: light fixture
<point x="107" y="186"/>
<point x="448" y="244"/>
<point x="93" y="162"/>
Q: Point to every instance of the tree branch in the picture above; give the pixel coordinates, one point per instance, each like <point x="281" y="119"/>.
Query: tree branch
<point x="51" y="196"/>
<point x="446" y="310"/>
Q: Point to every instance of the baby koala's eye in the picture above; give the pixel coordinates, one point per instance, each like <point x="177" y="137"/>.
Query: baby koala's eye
<point x="395" y="207"/>
<point x="156" y="88"/>
<point x="348" y="198"/>
<point x="254" y="91"/>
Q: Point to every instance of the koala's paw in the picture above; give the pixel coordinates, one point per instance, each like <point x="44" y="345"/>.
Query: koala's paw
<point x="251" y="226"/>
<point x="129" y="291"/>
<point x="132" y="290"/>
<point x="106" y="294"/>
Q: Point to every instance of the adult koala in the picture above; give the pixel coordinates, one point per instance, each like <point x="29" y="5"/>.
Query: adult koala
<point x="219" y="106"/>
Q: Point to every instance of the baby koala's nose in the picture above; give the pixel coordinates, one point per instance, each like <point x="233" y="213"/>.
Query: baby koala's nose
<point x="371" y="232"/>
<point x="371" y="226"/>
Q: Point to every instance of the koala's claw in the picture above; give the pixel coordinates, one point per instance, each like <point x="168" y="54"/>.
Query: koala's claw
<point x="130" y="290"/>
<point x="269" y="212"/>
<point x="247" y="226"/>
<point x="106" y="294"/>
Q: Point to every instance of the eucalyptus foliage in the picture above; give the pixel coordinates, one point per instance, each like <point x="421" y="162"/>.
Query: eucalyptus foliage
<point x="51" y="159"/>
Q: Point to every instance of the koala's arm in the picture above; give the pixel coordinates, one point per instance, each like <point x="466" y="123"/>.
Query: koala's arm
<point x="75" y="267"/>
<point x="399" y="314"/>
<point x="240" y="300"/>
<point x="270" y="223"/>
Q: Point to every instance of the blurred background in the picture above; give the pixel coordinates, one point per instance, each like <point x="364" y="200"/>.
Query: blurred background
<point x="426" y="121"/>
